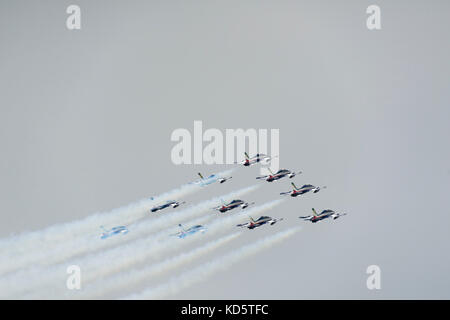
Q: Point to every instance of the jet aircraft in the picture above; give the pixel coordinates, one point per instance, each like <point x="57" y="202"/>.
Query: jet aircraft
<point x="278" y="175"/>
<point x="113" y="231"/>
<point x="259" y="157"/>
<point x="325" y="214"/>
<point x="211" y="179"/>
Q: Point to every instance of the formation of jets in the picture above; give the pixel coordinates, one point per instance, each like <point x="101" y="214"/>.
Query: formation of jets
<point x="225" y="207"/>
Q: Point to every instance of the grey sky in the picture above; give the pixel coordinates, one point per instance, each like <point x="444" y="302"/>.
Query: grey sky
<point x="86" y="118"/>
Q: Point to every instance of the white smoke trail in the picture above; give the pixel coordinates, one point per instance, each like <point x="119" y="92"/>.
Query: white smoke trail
<point x="107" y="262"/>
<point x="21" y="243"/>
<point x="133" y="277"/>
<point x="84" y="244"/>
<point x="198" y="274"/>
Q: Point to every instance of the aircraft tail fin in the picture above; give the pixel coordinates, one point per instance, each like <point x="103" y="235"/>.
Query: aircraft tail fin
<point x="251" y="219"/>
<point x="246" y="155"/>
<point x="295" y="187"/>
<point x="314" y="211"/>
<point x="200" y="175"/>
